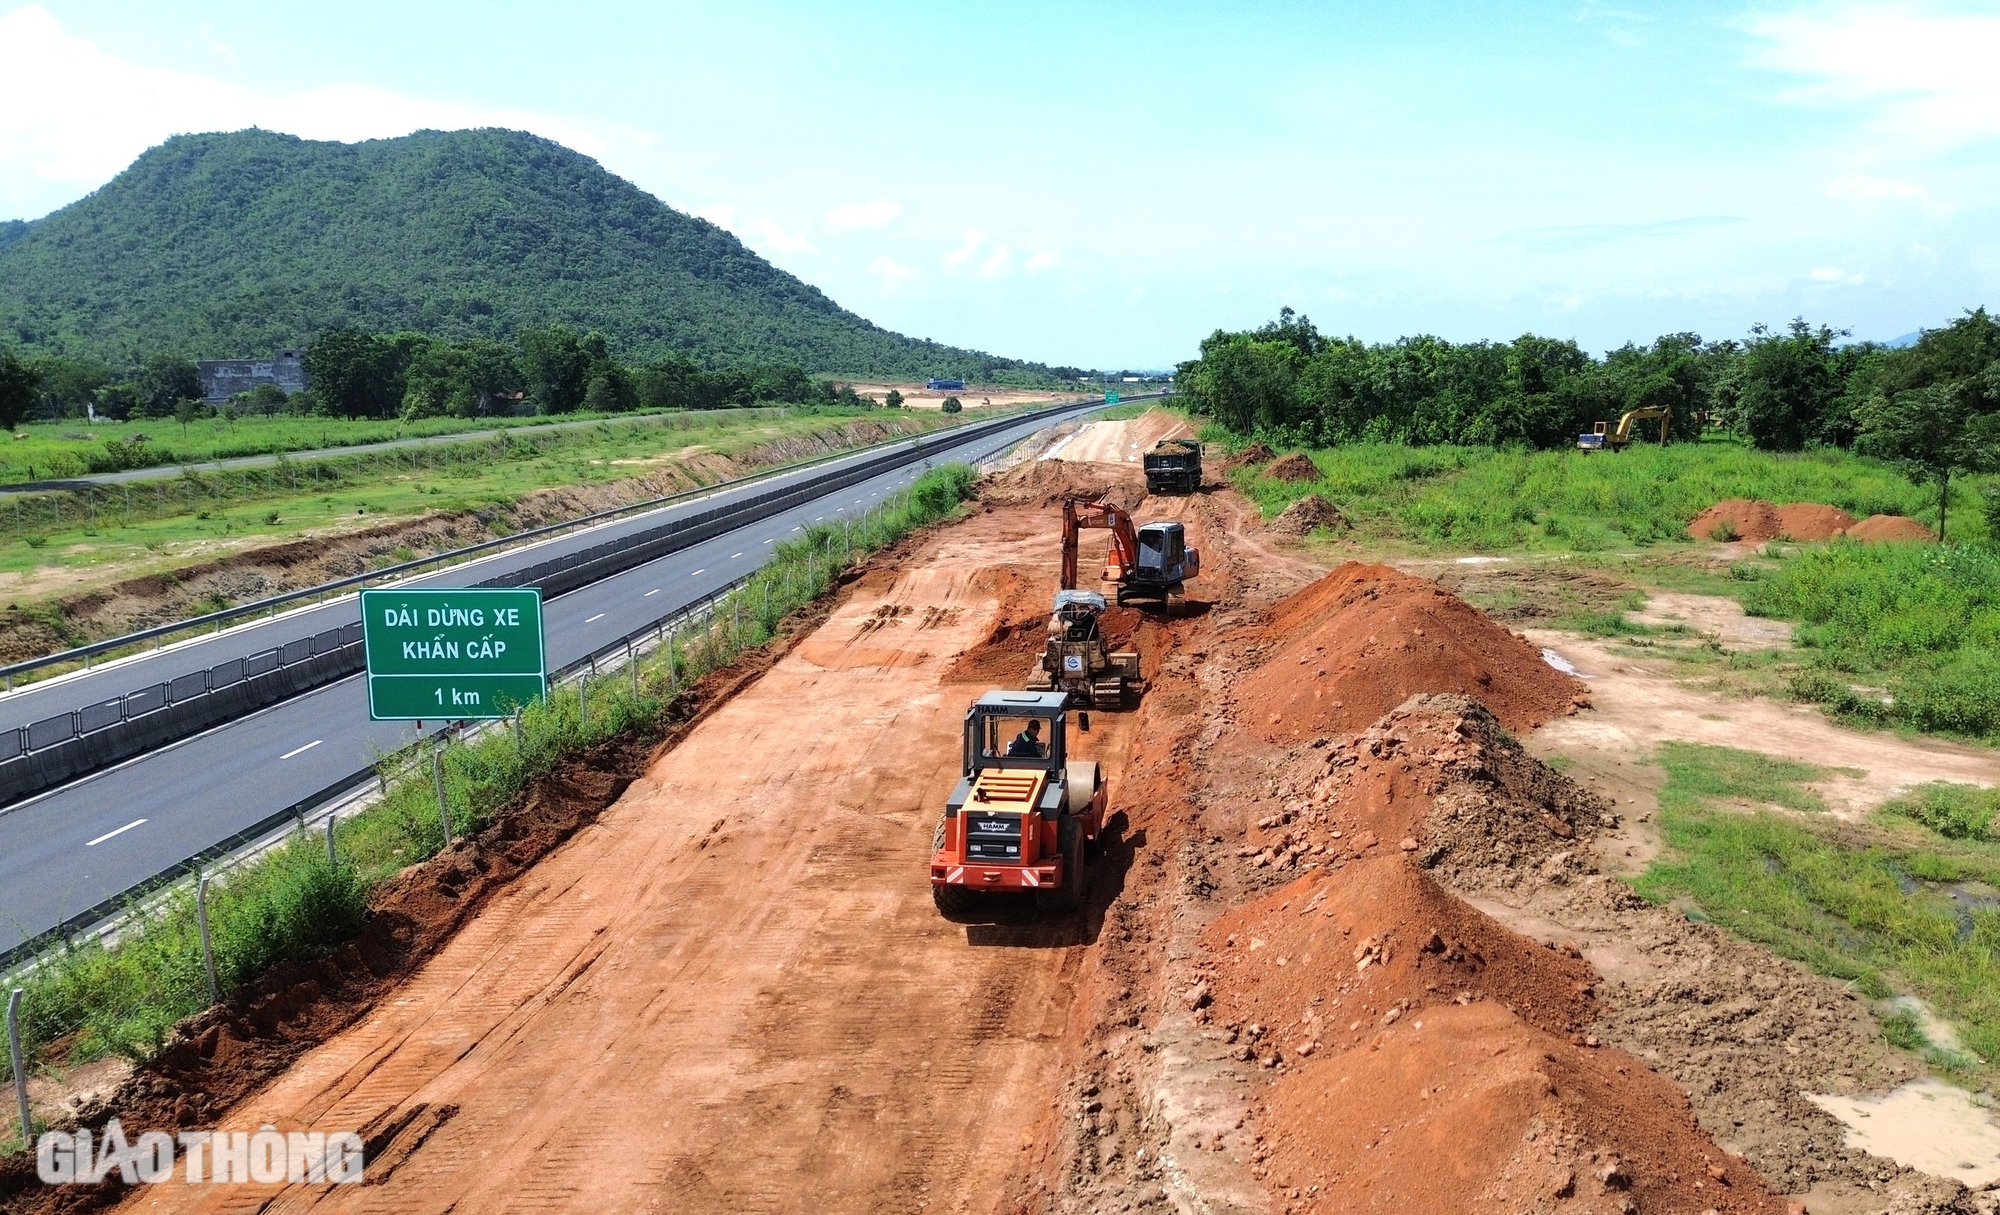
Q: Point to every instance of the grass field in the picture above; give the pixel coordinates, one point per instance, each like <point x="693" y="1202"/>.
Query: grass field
<point x="1894" y="906"/>
<point x="1465" y="499"/>
<point x="290" y="903"/>
<point x="71" y="447"/>
<point x="124" y="530"/>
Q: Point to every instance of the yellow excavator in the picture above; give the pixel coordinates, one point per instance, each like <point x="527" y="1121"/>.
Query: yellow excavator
<point x="1601" y="435"/>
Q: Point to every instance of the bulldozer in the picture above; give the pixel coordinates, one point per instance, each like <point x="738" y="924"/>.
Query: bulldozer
<point x="1024" y="816"/>
<point x="1173" y="467"/>
<point x="1147" y="563"/>
<point x="1076" y="659"/>
<point x="1601" y="435"/>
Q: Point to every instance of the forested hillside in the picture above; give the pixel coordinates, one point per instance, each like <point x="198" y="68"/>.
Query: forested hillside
<point x="224" y="245"/>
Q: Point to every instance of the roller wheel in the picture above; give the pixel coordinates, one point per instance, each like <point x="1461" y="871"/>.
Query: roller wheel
<point x="1067" y="897"/>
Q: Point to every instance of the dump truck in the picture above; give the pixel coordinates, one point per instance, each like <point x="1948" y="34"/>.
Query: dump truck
<point x="1146" y="563"/>
<point x="1602" y="435"/>
<point x="1076" y="658"/>
<point x="1173" y="467"/>
<point x="1024" y="816"/>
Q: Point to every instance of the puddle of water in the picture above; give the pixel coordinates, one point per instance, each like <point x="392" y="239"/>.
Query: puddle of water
<point x="1479" y="560"/>
<point x="1560" y="663"/>
<point x="1926" y="1124"/>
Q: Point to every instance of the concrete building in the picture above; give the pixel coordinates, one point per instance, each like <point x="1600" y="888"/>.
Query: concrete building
<point x="224" y="378"/>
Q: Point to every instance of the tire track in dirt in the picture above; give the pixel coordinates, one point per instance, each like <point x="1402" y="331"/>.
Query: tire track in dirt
<point x="732" y="993"/>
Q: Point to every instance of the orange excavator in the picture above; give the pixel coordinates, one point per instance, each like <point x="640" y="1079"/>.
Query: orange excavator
<point x="1147" y="563"/>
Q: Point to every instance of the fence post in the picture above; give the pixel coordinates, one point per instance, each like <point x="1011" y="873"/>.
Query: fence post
<point x="207" y="946"/>
<point x="437" y="778"/>
<point x="673" y="668"/>
<point x="517" y="732"/>
<point x="632" y="661"/>
<point x="583" y="701"/>
<point x="20" y="1067"/>
<point x="332" y="856"/>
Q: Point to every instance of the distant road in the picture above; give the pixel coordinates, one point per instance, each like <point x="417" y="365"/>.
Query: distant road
<point x="66" y="850"/>
<point x="324" y="453"/>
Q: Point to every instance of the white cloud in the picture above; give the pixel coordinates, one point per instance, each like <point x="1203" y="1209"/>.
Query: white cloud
<point x="965" y="252"/>
<point x="892" y="272"/>
<point x="72" y="116"/>
<point x="1043" y="259"/>
<point x="779" y="240"/>
<point x="1875" y="187"/>
<point x="875" y="214"/>
<point x="722" y="215"/>
<point x="996" y="262"/>
<point x="1928" y="75"/>
<point x="1834" y="274"/>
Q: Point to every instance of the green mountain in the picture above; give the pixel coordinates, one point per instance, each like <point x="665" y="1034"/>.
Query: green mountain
<point x="224" y="245"/>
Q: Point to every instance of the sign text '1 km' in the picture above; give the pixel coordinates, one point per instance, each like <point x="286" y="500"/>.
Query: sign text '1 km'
<point x="450" y="654"/>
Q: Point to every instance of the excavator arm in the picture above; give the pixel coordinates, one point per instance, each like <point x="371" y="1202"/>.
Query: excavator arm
<point x="1081" y="513"/>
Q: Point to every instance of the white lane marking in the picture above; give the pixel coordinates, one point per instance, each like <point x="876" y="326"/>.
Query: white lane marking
<point x="817" y="518"/>
<point x="734" y="556"/>
<point x="651" y="593"/>
<point x="595" y="619"/>
<point x="302" y="750"/>
<point x="698" y="572"/>
<point x="774" y="539"/>
<point x="795" y="528"/>
<point x="107" y="835"/>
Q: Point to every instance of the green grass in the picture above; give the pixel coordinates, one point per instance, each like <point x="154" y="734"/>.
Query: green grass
<point x="291" y="904"/>
<point x="70" y="447"/>
<point x="1956" y="812"/>
<point x="132" y="528"/>
<point x="1485" y="500"/>
<point x="1921" y="619"/>
<point x="1866" y="904"/>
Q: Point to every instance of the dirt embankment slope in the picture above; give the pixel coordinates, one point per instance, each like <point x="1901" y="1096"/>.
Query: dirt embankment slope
<point x="1310" y="976"/>
<point x="272" y="569"/>
<point x="732" y="993"/>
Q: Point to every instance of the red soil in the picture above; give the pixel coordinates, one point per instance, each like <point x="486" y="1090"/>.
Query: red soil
<point x="1295" y="467"/>
<point x="1427" y="1058"/>
<point x="1365" y="638"/>
<point x="1890" y="527"/>
<point x="1755" y="520"/>
<point x="1806" y="521"/>
<point x="1256" y="453"/>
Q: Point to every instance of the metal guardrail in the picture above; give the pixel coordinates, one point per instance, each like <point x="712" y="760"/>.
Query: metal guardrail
<point x="248" y="841"/>
<point x="60" y="728"/>
<point x="85" y="653"/>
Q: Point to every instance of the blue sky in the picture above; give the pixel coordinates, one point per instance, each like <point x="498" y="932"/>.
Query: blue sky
<point x="1103" y="184"/>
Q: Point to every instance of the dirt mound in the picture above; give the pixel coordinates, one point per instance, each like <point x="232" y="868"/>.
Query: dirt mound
<point x="1309" y="514"/>
<point x="1427" y="1058"/>
<point x="1751" y="520"/>
<point x="1256" y="453"/>
<point x="1365" y="638"/>
<point x="1048" y="482"/>
<point x="1880" y="528"/>
<point x="1295" y="467"/>
<point x="1807" y="521"/>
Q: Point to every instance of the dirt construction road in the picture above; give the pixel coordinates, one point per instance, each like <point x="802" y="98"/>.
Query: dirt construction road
<point x="733" y="994"/>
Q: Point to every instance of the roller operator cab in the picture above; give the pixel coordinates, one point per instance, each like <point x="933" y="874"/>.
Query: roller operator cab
<point x="1025" y="814"/>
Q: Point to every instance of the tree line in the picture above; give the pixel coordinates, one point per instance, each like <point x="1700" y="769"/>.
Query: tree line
<point x="352" y="374"/>
<point x="1933" y="407"/>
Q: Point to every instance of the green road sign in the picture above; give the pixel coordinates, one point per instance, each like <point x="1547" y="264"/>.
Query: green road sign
<point x="450" y="654"/>
<point x="1110" y="398"/>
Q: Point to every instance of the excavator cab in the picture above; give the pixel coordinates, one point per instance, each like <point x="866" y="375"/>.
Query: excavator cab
<point x="1023" y="813"/>
<point x="1164" y="561"/>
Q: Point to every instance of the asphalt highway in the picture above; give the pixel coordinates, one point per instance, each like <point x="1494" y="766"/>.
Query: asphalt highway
<point x="75" y="690"/>
<point x="67" y="850"/>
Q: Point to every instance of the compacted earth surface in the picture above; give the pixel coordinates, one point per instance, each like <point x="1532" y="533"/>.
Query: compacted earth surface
<point x="1349" y="944"/>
